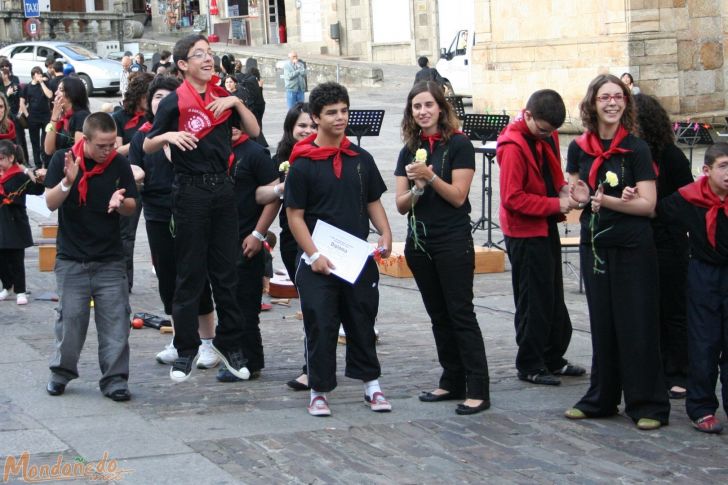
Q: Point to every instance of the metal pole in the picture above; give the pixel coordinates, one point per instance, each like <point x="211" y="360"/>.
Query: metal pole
<point x="209" y="19"/>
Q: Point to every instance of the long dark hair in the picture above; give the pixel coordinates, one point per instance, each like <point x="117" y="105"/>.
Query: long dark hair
<point x="588" y="110"/>
<point x="75" y="91"/>
<point x="653" y="124"/>
<point x="137" y="90"/>
<point x="8" y="148"/>
<point x="283" y="150"/>
<point x="447" y="124"/>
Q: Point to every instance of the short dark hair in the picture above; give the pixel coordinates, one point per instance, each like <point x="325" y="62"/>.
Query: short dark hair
<point x="98" y="122"/>
<point x="423" y="61"/>
<point x="50" y="60"/>
<point x="169" y="83"/>
<point x="182" y="47"/>
<point x="164" y="54"/>
<point x="58" y="66"/>
<point x="8" y="148"/>
<point x="714" y="152"/>
<point x="325" y="94"/>
<point x="36" y="70"/>
<point x="547" y="105"/>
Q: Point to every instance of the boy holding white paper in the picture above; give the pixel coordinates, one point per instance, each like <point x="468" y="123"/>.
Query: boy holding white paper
<point x="338" y="183"/>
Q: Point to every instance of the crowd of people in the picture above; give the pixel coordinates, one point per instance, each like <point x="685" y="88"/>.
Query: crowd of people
<point x="186" y="147"/>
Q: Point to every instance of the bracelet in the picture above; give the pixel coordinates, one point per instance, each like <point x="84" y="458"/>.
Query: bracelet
<point x="277" y="191"/>
<point x="258" y="236"/>
<point x="64" y="188"/>
<point x="416" y="192"/>
<point x="581" y="205"/>
<point x="434" y="176"/>
<point x="313" y="258"/>
<point x="54" y="121"/>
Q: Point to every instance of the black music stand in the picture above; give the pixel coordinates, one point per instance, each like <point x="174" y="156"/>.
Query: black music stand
<point x="364" y="122"/>
<point x="691" y="134"/>
<point x="457" y="104"/>
<point x="485" y="128"/>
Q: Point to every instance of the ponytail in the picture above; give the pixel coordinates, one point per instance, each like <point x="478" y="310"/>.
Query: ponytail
<point x="8" y="148"/>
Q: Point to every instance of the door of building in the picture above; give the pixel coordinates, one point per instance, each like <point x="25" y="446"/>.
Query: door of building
<point x="273" y="22"/>
<point x="68" y="5"/>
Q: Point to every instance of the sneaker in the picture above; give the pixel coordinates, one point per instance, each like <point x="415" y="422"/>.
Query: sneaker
<point x="4" y="294"/>
<point x="542" y="377"/>
<point x="168" y="355"/>
<point x="378" y="403"/>
<point x="570" y="370"/>
<point x="573" y="413"/>
<point x="21" y="299"/>
<point x="234" y="361"/>
<point x="708" y="424"/>
<point x="182" y="368"/>
<point x="648" y="424"/>
<point x="224" y="375"/>
<point x="208" y="358"/>
<point x="319" y="407"/>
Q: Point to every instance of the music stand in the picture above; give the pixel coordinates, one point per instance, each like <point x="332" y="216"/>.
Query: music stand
<point x="457" y="104"/>
<point x="691" y="134"/>
<point x="364" y="122"/>
<point x="485" y="128"/>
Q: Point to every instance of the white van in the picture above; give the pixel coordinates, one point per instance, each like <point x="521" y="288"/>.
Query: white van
<point x="454" y="64"/>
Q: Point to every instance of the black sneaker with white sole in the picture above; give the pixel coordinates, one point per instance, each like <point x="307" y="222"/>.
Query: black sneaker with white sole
<point x="182" y="368"/>
<point x="235" y="362"/>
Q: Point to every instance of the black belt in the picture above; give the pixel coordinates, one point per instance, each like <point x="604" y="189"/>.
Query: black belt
<point x="202" y="179"/>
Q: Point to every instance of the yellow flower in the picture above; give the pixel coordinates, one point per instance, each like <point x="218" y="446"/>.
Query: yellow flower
<point x="421" y="155"/>
<point x="611" y="179"/>
<point x="284" y="166"/>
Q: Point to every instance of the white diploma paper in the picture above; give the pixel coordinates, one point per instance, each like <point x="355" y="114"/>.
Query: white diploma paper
<point x="348" y="253"/>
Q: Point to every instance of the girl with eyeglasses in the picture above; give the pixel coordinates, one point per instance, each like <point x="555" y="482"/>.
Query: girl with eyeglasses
<point x="618" y="259"/>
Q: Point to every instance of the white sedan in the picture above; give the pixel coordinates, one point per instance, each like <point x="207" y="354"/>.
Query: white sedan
<point x="96" y="73"/>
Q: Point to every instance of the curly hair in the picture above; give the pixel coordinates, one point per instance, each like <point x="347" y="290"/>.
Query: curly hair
<point x="588" y="105"/>
<point x="283" y="150"/>
<point x="447" y="123"/>
<point x="653" y="124"/>
<point x="137" y="91"/>
<point x="160" y="82"/>
<point x="325" y="94"/>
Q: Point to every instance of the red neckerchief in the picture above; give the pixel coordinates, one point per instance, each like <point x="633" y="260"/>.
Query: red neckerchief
<point x="432" y="139"/>
<point x="145" y="127"/>
<point x="305" y="148"/>
<point x="519" y="134"/>
<point x="10" y="135"/>
<point x="65" y="122"/>
<point x="243" y="138"/>
<point x="87" y="174"/>
<point x="194" y="117"/>
<point x="592" y="145"/>
<point x="134" y="121"/>
<point x="699" y="193"/>
<point x="9" y="173"/>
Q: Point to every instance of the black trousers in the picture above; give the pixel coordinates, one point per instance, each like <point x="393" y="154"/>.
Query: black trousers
<point x="249" y="293"/>
<point x="128" y="226"/>
<point x="707" y="337"/>
<point x="12" y="269"/>
<point x="625" y="334"/>
<point x="161" y="246"/>
<point x="20" y="137"/>
<point x="444" y="276"/>
<point x="543" y="326"/>
<point x="672" y="258"/>
<point x="206" y="245"/>
<point x="37" y="139"/>
<point x="326" y="301"/>
<point x="289" y="250"/>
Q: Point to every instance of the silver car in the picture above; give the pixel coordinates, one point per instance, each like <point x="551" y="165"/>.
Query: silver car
<point x="96" y="73"/>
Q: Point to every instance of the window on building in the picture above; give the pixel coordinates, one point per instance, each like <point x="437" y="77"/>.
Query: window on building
<point x="237" y="8"/>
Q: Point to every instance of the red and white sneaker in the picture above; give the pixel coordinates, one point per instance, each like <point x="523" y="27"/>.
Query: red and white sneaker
<point x="378" y="403"/>
<point x="319" y="407"/>
<point x="708" y="424"/>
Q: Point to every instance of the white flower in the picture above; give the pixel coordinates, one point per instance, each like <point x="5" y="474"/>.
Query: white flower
<point x="611" y="179"/>
<point x="421" y="155"/>
<point x="284" y="166"/>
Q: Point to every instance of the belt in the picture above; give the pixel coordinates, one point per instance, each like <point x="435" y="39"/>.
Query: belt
<point x="202" y="179"/>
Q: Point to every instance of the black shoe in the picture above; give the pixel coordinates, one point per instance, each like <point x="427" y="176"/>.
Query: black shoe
<point x="119" y="395"/>
<point x="428" y="396"/>
<point x="462" y="409"/>
<point x="542" y="377"/>
<point x="55" y="388"/>
<point x="234" y="360"/>
<point x="570" y="370"/>
<point x="182" y="368"/>
<point x="297" y="386"/>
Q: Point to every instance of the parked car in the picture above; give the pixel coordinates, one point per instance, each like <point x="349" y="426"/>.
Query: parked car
<point x="96" y="73"/>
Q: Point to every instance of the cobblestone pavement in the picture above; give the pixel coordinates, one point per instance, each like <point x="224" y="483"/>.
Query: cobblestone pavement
<point x="203" y="431"/>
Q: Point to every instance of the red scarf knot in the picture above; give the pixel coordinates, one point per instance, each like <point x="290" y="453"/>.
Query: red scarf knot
<point x="243" y="138"/>
<point x="134" y="120"/>
<point x="9" y="173"/>
<point x="145" y="127"/>
<point x="592" y="145"/>
<point x="98" y="169"/>
<point x="305" y="148"/>
<point x="194" y="117"/>
<point x="64" y="124"/>
<point x="700" y="194"/>
<point x="10" y="134"/>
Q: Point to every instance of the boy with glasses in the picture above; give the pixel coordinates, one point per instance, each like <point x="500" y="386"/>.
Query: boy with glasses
<point x="196" y="122"/>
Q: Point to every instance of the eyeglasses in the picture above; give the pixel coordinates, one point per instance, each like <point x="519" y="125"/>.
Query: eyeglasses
<point x="104" y="148"/>
<point x="605" y="98"/>
<point x="200" y="54"/>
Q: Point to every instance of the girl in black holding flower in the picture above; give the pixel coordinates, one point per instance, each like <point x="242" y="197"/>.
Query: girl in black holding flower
<point x="439" y="248"/>
<point x="618" y="259"/>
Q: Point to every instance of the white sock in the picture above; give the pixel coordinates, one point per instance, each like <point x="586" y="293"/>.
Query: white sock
<point x="371" y="387"/>
<point x="206" y="341"/>
<point x="315" y="394"/>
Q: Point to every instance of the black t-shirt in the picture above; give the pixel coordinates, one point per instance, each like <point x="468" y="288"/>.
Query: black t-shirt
<point x="342" y="202"/>
<point x="53" y="83"/>
<point x="65" y="139"/>
<point x="121" y="118"/>
<point x="615" y="228"/>
<point x="158" y="180"/>
<point x="252" y="169"/>
<point x="438" y="217"/>
<point x="674" y="172"/>
<point x="88" y="232"/>
<point x="37" y="104"/>
<point x="14" y="225"/>
<point x="212" y="152"/>
<point x="675" y="210"/>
